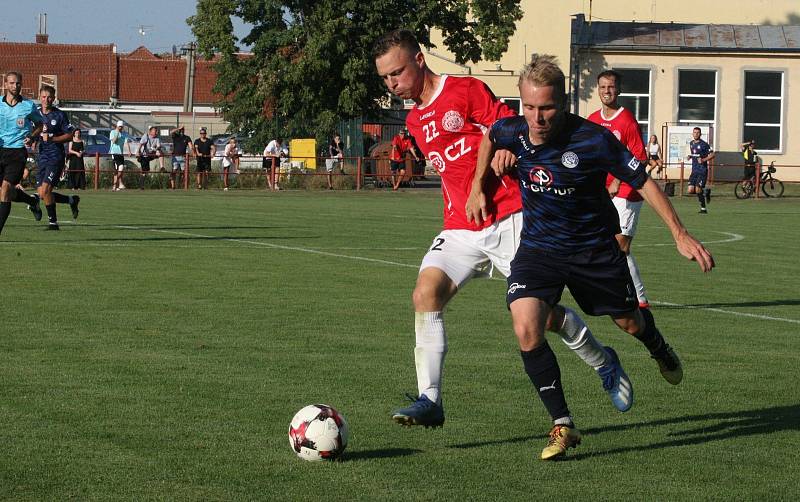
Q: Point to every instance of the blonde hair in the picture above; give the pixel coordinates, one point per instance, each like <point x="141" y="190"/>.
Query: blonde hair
<point x="543" y="71"/>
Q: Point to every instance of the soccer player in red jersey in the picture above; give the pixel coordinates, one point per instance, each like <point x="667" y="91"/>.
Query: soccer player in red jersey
<point x="448" y="121"/>
<point x="628" y="202"/>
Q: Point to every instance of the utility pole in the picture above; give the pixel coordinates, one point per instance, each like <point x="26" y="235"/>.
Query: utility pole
<point x="188" y="86"/>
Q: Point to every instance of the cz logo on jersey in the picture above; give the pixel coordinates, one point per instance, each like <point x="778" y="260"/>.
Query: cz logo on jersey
<point x="452" y="153"/>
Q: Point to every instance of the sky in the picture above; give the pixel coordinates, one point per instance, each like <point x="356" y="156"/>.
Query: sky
<point x="105" y="22"/>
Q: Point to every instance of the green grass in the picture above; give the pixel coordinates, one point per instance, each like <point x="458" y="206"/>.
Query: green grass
<point x="157" y="349"/>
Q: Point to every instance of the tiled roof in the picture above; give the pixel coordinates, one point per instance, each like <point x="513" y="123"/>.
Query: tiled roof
<point x="85" y="72"/>
<point x="94" y="73"/>
<point x="689" y="37"/>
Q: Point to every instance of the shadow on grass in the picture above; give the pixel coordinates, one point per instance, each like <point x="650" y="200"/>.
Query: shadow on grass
<point x="387" y="453"/>
<point x="696" y="429"/>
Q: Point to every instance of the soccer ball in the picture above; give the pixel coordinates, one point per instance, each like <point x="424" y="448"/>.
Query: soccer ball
<point x="318" y="432"/>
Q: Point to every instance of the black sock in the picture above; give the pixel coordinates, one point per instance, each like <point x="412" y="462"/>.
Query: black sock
<point x="701" y="196"/>
<point x="51" y="214"/>
<point x="542" y="368"/>
<point x="23" y="196"/>
<point x="60" y="198"/>
<point x="650" y="336"/>
<point x="5" y="210"/>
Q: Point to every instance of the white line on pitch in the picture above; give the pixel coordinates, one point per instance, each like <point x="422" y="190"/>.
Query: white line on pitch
<point x="733" y="312"/>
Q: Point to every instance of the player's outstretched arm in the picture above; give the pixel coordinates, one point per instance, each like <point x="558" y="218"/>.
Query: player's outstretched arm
<point x="687" y="245"/>
<point x="476" y="207"/>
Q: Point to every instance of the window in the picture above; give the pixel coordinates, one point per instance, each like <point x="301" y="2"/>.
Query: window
<point x="763" y="109"/>
<point x="635" y="96"/>
<point x="697" y="96"/>
<point x="513" y="103"/>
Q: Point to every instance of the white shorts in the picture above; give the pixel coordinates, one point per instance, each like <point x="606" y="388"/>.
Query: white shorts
<point x="330" y="164"/>
<point x="463" y="254"/>
<point x="628" y="215"/>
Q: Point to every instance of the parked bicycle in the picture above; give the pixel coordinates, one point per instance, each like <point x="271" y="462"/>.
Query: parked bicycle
<point x="770" y="186"/>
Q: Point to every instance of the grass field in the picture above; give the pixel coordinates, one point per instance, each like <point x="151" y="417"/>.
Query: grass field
<point x="157" y="349"/>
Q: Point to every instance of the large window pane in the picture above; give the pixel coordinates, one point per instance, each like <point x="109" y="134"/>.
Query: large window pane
<point x="696" y="82"/>
<point x="638" y="105"/>
<point x="512" y="103"/>
<point x="695" y="109"/>
<point x="766" y="138"/>
<point x="764" y="111"/>
<point x="635" y="81"/>
<point x="762" y="83"/>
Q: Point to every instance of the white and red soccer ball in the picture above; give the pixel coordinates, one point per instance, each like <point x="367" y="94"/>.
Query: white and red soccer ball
<point x="318" y="432"/>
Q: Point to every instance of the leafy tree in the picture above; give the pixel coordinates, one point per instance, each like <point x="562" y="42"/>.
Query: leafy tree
<point x="311" y="65"/>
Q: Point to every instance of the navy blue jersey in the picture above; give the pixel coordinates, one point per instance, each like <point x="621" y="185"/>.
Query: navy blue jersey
<point x="55" y="124"/>
<point x="699" y="149"/>
<point x="566" y="206"/>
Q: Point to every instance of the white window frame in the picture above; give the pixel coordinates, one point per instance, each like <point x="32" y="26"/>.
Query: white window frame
<point x="766" y="98"/>
<point x="642" y="123"/>
<point x="712" y="122"/>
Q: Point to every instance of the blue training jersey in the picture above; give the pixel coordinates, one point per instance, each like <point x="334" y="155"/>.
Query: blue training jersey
<point x="56" y="123"/>
<point x="566" y="206"/>
<point x="16" y="122"/>
<point x="699" y="149"/>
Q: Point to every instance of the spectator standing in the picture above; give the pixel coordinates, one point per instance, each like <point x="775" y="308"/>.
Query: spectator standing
<point x="77" y="169"/>
<point x="627" y="201"/>
<point x="655" y="162"/>
<point x="181" y="145"/>
<point x="401" y="144"/>
<point x="150" y="148"/>
<point x="56" y="130"/>
<point x="271" y="160"/>
<point x="230" y="159"/>
<point x="204" y="149"/>
<point x="700" y="152"/>
<point x="334" y="160"/>
<point x="20" y="121"/>
<point x="117" y="156"/>
<point x="750" y="159"/>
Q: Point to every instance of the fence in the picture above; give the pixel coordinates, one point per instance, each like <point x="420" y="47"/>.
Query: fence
<point x="253" y="172"/>
<point x="678" y="175"/>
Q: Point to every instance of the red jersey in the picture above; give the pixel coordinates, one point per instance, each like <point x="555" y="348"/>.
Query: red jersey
<point x="400" y="146"/>
<point x="625" y="127"/>
<point x="449" y="130"/>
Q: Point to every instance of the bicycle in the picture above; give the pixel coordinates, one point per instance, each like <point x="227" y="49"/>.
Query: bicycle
<point x="770" y="186"/>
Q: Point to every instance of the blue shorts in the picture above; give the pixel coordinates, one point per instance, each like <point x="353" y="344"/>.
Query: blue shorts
<point x="698" y="177"/>
<point x="178" y="162"/>
<point x="598" y="279"/>
<point x="49" y="172"/>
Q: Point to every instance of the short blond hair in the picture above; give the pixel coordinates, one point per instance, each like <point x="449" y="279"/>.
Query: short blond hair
<point x="543" y="71"/>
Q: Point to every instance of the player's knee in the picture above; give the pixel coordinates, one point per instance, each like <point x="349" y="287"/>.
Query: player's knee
<point x="426" y="297"/>
<point x="631" y="324"/>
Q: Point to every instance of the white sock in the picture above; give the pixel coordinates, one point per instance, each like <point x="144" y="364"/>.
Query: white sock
<point x="637" y="279"/>
<point x="576" y="335"/>
<point x="429" y="353"/>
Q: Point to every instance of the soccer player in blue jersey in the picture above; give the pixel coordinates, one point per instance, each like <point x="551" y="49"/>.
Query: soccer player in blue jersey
<point x="19" y="122"/>
<point x="56" y="131"/>
<point x="700" y="152"/>
<point x="568" y="233"/>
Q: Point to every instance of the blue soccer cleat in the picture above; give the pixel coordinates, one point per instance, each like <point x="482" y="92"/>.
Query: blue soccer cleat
<point x="616" y="382"/>
<point x="422" y="412"/>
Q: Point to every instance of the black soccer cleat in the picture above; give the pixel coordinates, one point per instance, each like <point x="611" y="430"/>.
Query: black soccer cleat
<point x="36" y="209"/>
<point x="74" y="206"/>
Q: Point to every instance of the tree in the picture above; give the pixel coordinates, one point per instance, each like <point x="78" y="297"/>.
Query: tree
<point x="310" y="64"/>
